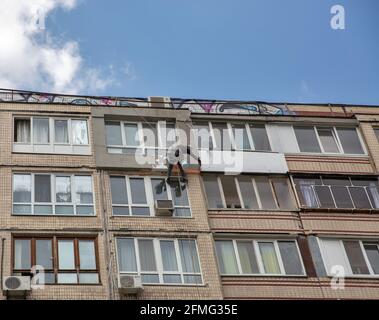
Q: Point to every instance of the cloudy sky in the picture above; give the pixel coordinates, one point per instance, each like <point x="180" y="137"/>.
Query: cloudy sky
<point x="270" y="50"/>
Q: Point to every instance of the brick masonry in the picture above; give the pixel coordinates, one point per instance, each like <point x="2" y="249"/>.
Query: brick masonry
<point x="203" y="226"/>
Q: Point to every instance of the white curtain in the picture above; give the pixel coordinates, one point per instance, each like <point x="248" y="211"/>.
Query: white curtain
<point x="83" y="187"/>
<point x="226" y="257"/>
<point x="23" y="130"/>
<point x="308" y="194"/>
<point x="189" y="258"/>
<point x="22" y="254"/>
<point x="87" y="256"/>
<point x="374" y="193"/>
<point x="269" y="259"/>
<point x="41" y="130"/>
<point x="63" y="189"/>
<point x="21" y="188"/>
<point x="168" y="256"/>
<point x="61" y="131"/>
<point x="66" y="255"/>
<point x="79" y="132"/>
<point x="146" y="255"/>
<point x="126" y="255"/>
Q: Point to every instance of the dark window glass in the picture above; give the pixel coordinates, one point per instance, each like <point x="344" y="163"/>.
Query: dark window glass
<point x="265" y="193"/>
<point x="350" y="140"/>
<point x="356" y="259"/>
<point x="118" y="190"/>
<point x="342" y="197"/>
<point x="247" y="257"/>
<point x="221" y="135"/>
<point x="113" y="133"/>
<point x="230" y="192"/>
<point x="260" y="138"/>
<point x="290" y="257"/>
<point x="328" y="140"/>
<point x="42" y="188"/>
<point x="213" y="192"/>
<point x="360" y="197"/>
<point x="240" y="137"/>
<point x="324" y="196"/>
<point x="373" y="256"/>
<point x="307" y="140"/>
<point x="247" y="192"/>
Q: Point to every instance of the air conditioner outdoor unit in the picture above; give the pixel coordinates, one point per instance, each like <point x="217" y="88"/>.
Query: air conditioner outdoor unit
<point x="164" y="208"/>
<point x="16" y="285"/>
<point x="128" y="284"/>
<point x="160" y="102"/>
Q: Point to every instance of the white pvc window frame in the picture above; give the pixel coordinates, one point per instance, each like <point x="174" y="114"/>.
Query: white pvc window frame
<point x="158" y="261"/>
<point x="54" y="204"/>
<point x="150" y="202"/>
<point x="160" y="127"/>
<point x="348" y="272"/>
<point x="52" y="130"/>
<point x="336" y="139"/>
<point x="329" y="186"/>
<point x="257" y="195"/>
<point x="229" y="125"/>
<point x="259" y="259"/>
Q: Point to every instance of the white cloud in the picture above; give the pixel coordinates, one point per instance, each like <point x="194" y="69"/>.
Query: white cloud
<point x="30" y="58"/>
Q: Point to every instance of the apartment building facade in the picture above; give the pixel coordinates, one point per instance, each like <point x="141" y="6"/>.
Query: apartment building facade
<point x="284" y="205"/>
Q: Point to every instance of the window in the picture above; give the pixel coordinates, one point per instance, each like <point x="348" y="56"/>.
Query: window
<point x="49" y="194"/>
<point x="356" y="257"/>
<point x="22" y="130"/>
<point x="334" y="140"/>
<point x="376" y="131"/>
<point x="307" y="139"/>
<point x="350" y="141"/>
<point x="51" y="135"/>
<point x="337" y="192"/>
<point x="231" y="136"/>
<point x="328" y="140"/>
<point x="41" y="134"/>
<point x="160" y="261"/>
<point x="130" y="137"/>
<point x="65" y="260"/>
<point x="248" y="192"/>
<point x="134" y="195"/>
<point x="259" y="257"/>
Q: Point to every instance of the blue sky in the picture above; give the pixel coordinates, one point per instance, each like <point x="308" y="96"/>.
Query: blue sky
<point x="269" y="50"/>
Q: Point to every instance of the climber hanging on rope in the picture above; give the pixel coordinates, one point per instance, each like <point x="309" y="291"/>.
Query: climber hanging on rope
<point x="175" y="156"/>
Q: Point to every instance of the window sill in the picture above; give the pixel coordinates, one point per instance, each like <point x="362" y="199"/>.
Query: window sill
<point x="149" y="217"/>
<point x="339" y="210"/>
<point x="200" y="285"/>
<point x="252" y="210"/>
<point x="53" y="215"/>
<point x="356" y="277"/>
<point x="74" y="284"/>
<point x="264" y="275"/>
<point x="344" y="155"/>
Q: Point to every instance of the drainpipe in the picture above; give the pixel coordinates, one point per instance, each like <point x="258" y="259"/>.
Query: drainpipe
<point x="107" y="248"/>
<point x="2" y="263"/>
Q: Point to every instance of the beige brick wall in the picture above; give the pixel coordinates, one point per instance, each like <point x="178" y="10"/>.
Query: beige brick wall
<point x="371" y="141"/>
<point x="61" y="292"/>
<point x="201" y="226"/>
<point x="198" y="221"/>
<point x="327" y="164"/>
<point x="254" y="221"/>
<point x="211" y="288"/>
<point x="341" y="223"/>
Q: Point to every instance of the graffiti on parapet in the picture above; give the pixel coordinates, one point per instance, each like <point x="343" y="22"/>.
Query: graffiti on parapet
<point x="224" y="107"/>
<point x="195" y="106"/>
